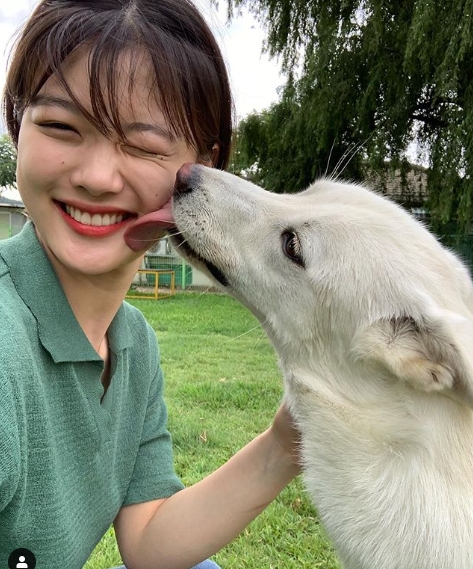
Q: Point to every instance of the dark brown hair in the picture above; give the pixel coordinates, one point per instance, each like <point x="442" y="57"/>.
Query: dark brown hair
<point x="190" y="79"/>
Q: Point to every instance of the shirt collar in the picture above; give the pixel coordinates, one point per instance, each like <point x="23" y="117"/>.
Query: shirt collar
<point x="38" y="286"/>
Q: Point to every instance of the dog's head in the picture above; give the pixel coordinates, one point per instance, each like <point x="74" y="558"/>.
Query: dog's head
<point x="335" y="272"/>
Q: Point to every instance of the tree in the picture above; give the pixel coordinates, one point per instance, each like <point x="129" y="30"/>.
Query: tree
<point x="375" y="74"/>
<point x="282" y="149"/>
<point x="7" y="162"/>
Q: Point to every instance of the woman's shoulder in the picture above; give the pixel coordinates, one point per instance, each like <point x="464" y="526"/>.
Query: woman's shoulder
<point x="18" y="327"/>
<point x="135" y="319"/>
<point x="12" y="308"/>
<point x="137" y="326"/>
<point x="18" y="331"/>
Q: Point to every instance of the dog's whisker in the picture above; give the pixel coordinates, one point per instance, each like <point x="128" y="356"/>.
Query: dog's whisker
<point x="335" y="174"/>
<point x="358" y="148"/>
<point x="348" y="156"/>
<point x="204" y="292"/>
<point x="329" y="159"/>
<point x="260" y="338"/>
<point x="180" y="244"/>
<point x="175" y="232"/>
<point x="243" y="334"/>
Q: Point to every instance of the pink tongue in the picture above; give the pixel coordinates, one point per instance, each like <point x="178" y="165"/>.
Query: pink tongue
<point x="146" y="230"/>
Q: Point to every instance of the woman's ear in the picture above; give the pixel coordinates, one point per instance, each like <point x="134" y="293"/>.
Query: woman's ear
<point x="211" y="158"/>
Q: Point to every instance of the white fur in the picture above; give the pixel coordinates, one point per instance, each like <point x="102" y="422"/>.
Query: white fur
<point x="375" y="340"/>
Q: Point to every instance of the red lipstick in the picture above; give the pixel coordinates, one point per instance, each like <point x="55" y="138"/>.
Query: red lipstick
<point x="93" y="230"/>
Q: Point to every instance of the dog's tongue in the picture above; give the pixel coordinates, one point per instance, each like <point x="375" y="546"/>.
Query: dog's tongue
<point x="146" y="230"/>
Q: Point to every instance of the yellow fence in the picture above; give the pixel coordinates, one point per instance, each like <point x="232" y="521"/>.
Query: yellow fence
<point x="142" y="290"/>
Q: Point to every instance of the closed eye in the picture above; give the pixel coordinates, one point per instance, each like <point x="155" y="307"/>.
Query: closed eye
<point x="58" y="126"/>
<point x="291" y="247"/>
<point x="137" y="151"/>
<point x="60" y="131"/>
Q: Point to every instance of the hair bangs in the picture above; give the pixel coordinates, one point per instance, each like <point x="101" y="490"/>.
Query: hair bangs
<point x="172" y="72"/>
<point x="187" y="74"/>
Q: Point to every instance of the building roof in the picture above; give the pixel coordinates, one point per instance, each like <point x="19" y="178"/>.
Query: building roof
<point x="7" y="202"/>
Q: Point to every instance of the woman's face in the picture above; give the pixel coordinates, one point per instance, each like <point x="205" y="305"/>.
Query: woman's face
<point x="83" y="190"/>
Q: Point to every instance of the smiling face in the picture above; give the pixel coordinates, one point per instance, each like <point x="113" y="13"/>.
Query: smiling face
<point x="83" y="189"/>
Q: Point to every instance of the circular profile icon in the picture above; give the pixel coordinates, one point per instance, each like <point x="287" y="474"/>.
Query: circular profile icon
<point x="22" y="559"/>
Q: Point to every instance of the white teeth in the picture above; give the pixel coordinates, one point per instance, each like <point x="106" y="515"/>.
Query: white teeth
<point x="96" y="219"/>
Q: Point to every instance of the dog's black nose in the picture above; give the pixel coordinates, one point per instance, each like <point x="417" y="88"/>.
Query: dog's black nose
<point x="183" y="179"/>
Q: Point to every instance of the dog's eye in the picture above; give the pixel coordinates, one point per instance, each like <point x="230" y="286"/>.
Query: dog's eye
<point x="291" y="247"/>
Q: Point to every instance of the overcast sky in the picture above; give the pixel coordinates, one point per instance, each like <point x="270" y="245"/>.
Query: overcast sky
<point x="254" y="77"/>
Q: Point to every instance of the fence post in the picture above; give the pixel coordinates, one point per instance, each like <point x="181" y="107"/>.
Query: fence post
<point x="183" y="274"/>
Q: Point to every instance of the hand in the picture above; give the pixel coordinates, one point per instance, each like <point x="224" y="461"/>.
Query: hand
<point x="198" y="521"/>
<point x="287" y="435"/>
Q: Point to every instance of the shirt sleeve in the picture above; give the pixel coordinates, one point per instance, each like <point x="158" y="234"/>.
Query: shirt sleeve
<point x="153" y="475"/>
<point x="10" y="461"/>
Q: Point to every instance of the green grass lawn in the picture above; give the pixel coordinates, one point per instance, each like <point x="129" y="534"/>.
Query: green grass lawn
<point x="222" y="389"/>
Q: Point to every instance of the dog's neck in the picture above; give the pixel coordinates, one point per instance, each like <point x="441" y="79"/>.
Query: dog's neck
<point x="369" y="413"/>
<point x="398" y="474"/>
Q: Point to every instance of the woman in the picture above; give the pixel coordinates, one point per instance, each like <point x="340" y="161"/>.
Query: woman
<point x="105" y="100"/>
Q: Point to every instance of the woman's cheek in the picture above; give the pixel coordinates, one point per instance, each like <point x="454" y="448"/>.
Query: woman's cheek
<point x="155" y="185"/>
<point x="41" y="162"/>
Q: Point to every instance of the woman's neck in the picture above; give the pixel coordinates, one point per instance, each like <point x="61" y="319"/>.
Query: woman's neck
<point x="95" y="299"/>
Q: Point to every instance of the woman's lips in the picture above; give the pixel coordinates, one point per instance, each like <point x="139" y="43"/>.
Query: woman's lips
<point x="142" y="233"/>
<point x="91" y="223"/>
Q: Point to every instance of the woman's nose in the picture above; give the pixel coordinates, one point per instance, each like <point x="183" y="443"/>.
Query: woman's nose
<point x="98" y="169"/>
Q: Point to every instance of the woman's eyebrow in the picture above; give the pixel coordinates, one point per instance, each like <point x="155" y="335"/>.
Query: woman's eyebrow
<point x="134" y="127"/>
<point x="54" y="101"/>
<point x="157" y="129"/>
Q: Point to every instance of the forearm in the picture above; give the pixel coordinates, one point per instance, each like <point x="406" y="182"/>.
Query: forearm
<point x="198" y="521"/>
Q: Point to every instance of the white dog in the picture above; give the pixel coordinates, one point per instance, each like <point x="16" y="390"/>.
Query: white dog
<point x="373" y="323"/>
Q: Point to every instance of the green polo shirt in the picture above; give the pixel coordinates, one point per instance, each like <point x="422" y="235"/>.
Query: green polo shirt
<point x="69" y="457"/>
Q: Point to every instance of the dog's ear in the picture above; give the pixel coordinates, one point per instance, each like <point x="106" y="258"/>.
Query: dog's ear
<point x="426" y="351"/>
